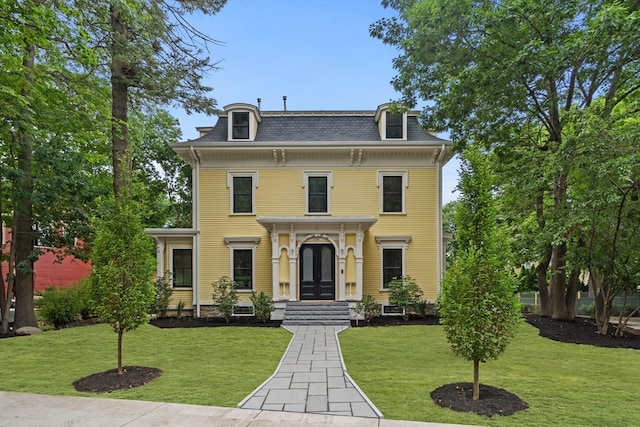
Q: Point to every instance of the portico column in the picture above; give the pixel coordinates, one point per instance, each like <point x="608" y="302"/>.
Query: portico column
<point x="160" y="246"/>
<point x="293" y="282"/>
<point x="342" y="264"/>
<point x="275" y="265"/>
<point x="359" y="263"/>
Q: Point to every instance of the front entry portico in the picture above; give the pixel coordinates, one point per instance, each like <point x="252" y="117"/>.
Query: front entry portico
<point x="310" y="254"/>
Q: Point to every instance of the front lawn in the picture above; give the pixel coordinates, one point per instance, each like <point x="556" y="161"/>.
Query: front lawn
<point x="202" y="366"/>
<point x="564" y="384"/>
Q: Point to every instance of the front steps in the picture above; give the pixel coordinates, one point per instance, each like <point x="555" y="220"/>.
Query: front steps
<point x="334" y="313"/>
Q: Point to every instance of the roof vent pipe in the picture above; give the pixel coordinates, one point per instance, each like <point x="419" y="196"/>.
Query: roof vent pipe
<point x="284" y="100"/>
<point x="259" y="101"/>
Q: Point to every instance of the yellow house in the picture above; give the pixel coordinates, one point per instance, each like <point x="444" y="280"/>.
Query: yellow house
<point x="307" y="206"/>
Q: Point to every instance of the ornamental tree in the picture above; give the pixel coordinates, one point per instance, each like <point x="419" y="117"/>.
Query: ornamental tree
<point x="122" y="285"/>
<point x="477" y="304"/>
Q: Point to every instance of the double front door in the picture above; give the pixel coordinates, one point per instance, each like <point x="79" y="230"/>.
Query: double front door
<point x="317" y="272"/>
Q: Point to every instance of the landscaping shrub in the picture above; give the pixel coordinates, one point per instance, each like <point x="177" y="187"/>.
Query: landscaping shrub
<point x="616" y="308"/>
<point x="180" y="309"/>
<point x="225" y="296"/>
<point x="60" y="306"/>
<point x="404" y="293"/>
<point x="368" y="307"/>
<point x="586" y="309"/>
<point x="83" y="294"/>
<point x="164" y="290"/>
<point x="262" y="306"/>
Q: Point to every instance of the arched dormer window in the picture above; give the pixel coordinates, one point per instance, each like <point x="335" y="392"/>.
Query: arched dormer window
<point x="391" y="125"/>
<point x="243" y="120"/>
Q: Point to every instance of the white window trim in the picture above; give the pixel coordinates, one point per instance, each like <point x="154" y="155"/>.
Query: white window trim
<point x="254" y="185"/>
<point x="383" y="119"/>
<point x="392" y="242"/>
<point x="305" y="180"/>
<point x="243" y="242"/>
<point x="405" y="184"/>
<point x="170" y="249"/>
<point x="252" y="126"/>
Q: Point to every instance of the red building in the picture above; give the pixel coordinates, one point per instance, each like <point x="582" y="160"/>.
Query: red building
<point x="50" y="269"/>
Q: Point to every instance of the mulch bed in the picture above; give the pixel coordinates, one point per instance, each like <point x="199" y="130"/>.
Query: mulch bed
<point x="397" y="321"/>
<point x="212" y="322"/>
<point x="108" y="381"/>
<point x="492" y="401"/>
<point x="581" y="331"/>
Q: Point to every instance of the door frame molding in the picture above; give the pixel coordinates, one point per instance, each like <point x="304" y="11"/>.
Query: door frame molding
<point x="334" y="265"/>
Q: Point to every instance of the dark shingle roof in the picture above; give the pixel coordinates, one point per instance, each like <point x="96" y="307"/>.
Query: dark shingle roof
<point x="292" y="127"/>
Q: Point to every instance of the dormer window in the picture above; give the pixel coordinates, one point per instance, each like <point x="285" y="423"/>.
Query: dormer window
<point x="391" y="125"/>
<point x="394" y="126"/>
<point x="240" y="122"/>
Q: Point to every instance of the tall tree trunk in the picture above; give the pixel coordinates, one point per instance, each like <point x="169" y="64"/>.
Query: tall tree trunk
<point x="543" y="286"/>
<point x="121" y="72"/>
<point x="558" y="254"/>
<point x="602" y="299"/>
<point x="22" y="236"/>
<point x="558" y="282"/>
<point x="6" y="289"/>
<point x="476" y="379"/>
<point x="543" y="265"/>
<point x="572" y="293"/>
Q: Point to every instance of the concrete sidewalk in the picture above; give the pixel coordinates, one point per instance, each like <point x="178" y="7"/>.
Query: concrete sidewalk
<point x="311" y="377"/>
<point x="37" y="410"/>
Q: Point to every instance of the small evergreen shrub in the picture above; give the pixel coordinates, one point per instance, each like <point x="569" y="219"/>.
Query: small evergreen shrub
<point x="586" y="309"/>
<point x="368" y="308"/>
<point x="60" y="306"/>
<point x="262" y="306"/>
<point x="225" y="296"/>
<point x="404" y="293"/>
<point x="180" y="309"/>
<point x="164" y="290"/>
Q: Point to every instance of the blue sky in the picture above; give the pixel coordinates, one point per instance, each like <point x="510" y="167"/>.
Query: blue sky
<point x="316" y="52"/>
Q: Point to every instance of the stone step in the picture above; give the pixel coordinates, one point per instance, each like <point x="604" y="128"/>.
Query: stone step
<point x="316" y="322"/>
<point x="316" y="317"/>
<point x="316" y="313"/>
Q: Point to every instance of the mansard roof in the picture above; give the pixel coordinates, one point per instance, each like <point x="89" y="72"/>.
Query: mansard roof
<point x="327" y="126"/>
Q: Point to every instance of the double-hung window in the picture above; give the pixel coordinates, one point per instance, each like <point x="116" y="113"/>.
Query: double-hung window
<point x="392" y="257"/>
<point x="182" y="267"/>
<point x="241" y="190"/>
<point x="242" y="254"/>
<point x="243" y="268"/>
<point x="240" y="125"/>
<point x="392" y="261"/>
<point x="394" y="125"/>
<point x="392" y="191"/>
<point x="317" y="186"/>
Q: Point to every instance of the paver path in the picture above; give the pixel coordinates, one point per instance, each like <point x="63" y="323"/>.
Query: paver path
<point x="311" y="378"/>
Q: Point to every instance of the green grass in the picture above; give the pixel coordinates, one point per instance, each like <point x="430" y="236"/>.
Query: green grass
<point x="397" y="367"/>
<point x="564" y="384"/>
<point x="203" y="366"/>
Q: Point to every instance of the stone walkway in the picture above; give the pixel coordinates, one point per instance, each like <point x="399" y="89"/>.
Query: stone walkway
<point x="311" y="378"/>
